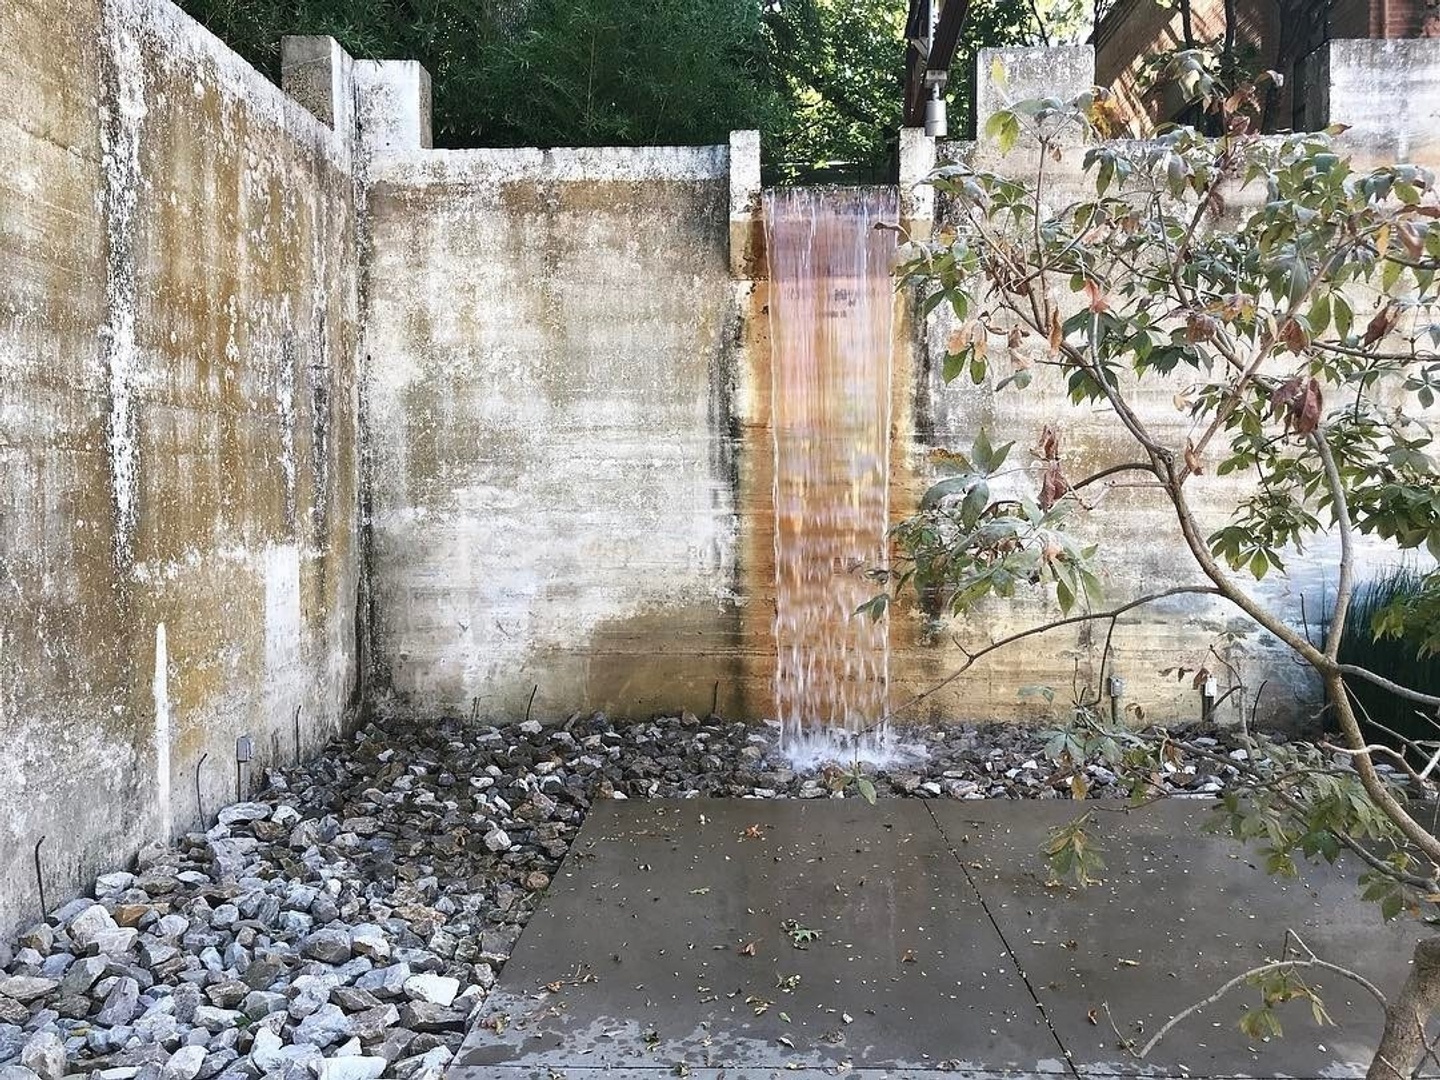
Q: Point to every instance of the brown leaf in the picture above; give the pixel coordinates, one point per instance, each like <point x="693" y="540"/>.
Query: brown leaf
<point x="1294" y="336"/>
<point x="1049" y="448"/>
<point x="1301" y="401"/>
<point x="1093" y="1016"/>
<point x="1383" y="322"/>
<point x="1201" y="676"/>
<point x="1192" y="459"/>
<point x="752" y="832"/>
<point x="1057" y="334"/>
<point x="909" y="957"/>
<point x="748" y="949"/>
<point x="1053" y="486"/>
<point x="960" y="337"/>
<point x="1098" y="303"/>
<point x="1412" y="240"/>
<point x="1200" y="327"/>
<point x="1014" y="338"/>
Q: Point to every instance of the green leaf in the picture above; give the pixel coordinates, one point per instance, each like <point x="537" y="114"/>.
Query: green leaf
<point x="1064" y="595"/>
<point x="953" y="364"/>
<point x="866" y="787"/>
<point x="981" y="453"/>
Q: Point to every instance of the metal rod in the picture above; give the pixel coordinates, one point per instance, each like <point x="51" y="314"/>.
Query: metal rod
<point x="531" y="702"/>
<point x="715" y="698"/>
<point x="297" y="734"/>
<point x="40" y="881"/>
<point x="199" y="805"/>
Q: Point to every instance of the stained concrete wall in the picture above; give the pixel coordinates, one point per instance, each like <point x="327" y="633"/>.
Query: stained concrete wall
<point x="1142" y="549"/>
<point x="550" y="346"/>
<point x="177" y="431"/>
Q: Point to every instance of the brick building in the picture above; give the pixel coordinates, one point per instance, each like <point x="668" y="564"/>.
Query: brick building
<point x="1275" y="34"/>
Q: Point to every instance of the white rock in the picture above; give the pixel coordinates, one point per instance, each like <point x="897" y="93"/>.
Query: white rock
<point x="185" y="1063"/>
<point x="350" y="1068"/>
<point x="498" y="841"/>
<point x="531" y="727"/>
<point x="90" y="924"/>
<point x="436" y="989"/>
<point x="244" y="812"/>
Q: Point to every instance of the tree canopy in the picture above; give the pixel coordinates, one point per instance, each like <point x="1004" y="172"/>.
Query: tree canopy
<point x="821" y="79"/>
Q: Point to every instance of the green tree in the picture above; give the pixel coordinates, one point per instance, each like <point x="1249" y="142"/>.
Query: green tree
<point x="546" y="72"/>
<point x="1301" y="344"/>
<point x="840" y="66"/>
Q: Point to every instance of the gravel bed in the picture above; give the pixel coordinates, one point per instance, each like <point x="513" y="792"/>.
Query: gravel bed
<point x="349" y="920"/>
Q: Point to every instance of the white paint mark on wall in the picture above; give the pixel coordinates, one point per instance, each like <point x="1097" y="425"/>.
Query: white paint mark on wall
<point x="160" y="688"/>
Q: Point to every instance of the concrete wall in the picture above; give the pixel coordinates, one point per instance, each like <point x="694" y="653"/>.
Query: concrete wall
<point x="1134" y="526"/>
<point x="550" y="341"/>
<point x="177" y="431"/>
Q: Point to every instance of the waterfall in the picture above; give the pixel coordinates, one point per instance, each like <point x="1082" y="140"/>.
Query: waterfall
<point x="832" y="304"/>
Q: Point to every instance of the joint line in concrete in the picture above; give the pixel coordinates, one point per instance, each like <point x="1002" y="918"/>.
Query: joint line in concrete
<point x="1005" y="941"/>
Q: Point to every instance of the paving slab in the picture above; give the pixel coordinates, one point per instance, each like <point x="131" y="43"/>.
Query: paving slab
<point x="661" y="947"/>
<point x="1177" y="915"/>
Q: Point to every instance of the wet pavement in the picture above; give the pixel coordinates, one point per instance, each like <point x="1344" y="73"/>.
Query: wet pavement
<point x="740" y="939"/>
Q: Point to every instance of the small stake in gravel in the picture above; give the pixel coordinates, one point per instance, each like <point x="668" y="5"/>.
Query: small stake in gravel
<point x="244" y="752"/>
<point x="297" y="734"/>
<point x="40" y="880"/>
<point x="535" y="690"/>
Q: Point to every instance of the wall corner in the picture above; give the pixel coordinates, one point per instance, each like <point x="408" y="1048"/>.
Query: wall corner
<point x="917" y="198"/>
<point x="320" y="76"/>
<point x="747" y="215"/>
<point x="392" y="106"/>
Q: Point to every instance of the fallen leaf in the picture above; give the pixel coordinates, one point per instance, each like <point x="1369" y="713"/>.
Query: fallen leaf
<point x="909" y="957"/>
<point x="1129" y="963"/>
<point x="748" y="949"/>
<point x="1093" y="1016"/>
<point x="752" y="832"/>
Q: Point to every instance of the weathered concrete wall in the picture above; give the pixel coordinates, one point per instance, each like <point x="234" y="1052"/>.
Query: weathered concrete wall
<point x="177" y="431"/>
<point x="1134" y="525"/>
<point x="550" y="343"/>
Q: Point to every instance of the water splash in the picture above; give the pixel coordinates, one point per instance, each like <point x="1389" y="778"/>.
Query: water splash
<point x="832" y="305"/>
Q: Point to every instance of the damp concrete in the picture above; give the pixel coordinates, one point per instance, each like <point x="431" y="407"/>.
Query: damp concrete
<point x="739" y="939"/>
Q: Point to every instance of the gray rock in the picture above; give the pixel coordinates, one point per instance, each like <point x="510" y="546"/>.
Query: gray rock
<point x="261" y="1003"/>
<point x="186" y="999"/>
<point x="353" y="999"/>
<point x="263" y="973"/>
<point x="44" y="1055"/>
<point x="171" y="927"/>
<point x="243" y="813"/>
<point x="12" y="1012"/>
<point x="227" y="994"/>
<point x="215" y="1019"/>
<point x="40" y="937"/>
<point x="329" y="946"/>
<point x="115" y="942"/>
<point x="120" y="1003"/>
<point x="230" y="857"/>
<point x="498" y="840"/>
<point x="425" y="1016"/>
<point x="89" y="924"/>
<point x="386" y="982"/>
<point x="26" y="988"/>
<point x="324" y="1027"/>
<point x="83" y="975"/>
<point x="371" y="1024"/>
<point x="185" y="1063"/>
<point x="367" y="939"/>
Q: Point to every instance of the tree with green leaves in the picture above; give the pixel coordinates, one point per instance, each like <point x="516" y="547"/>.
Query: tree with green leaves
<point x="1301" y="345"/>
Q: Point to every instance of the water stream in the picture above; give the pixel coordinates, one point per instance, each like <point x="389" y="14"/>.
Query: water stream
<point x="832" y="310"/>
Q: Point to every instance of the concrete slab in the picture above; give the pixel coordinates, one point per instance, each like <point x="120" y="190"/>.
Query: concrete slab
<point x="637" y="961"/>
<point x="1178" y="914"/>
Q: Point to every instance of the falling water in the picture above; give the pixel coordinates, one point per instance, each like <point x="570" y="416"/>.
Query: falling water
<point x="831" y="330"/>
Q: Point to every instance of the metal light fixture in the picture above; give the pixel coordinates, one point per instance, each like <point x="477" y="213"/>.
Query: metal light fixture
<point x="244" y="753"/>
<point x="935" y="122"/>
